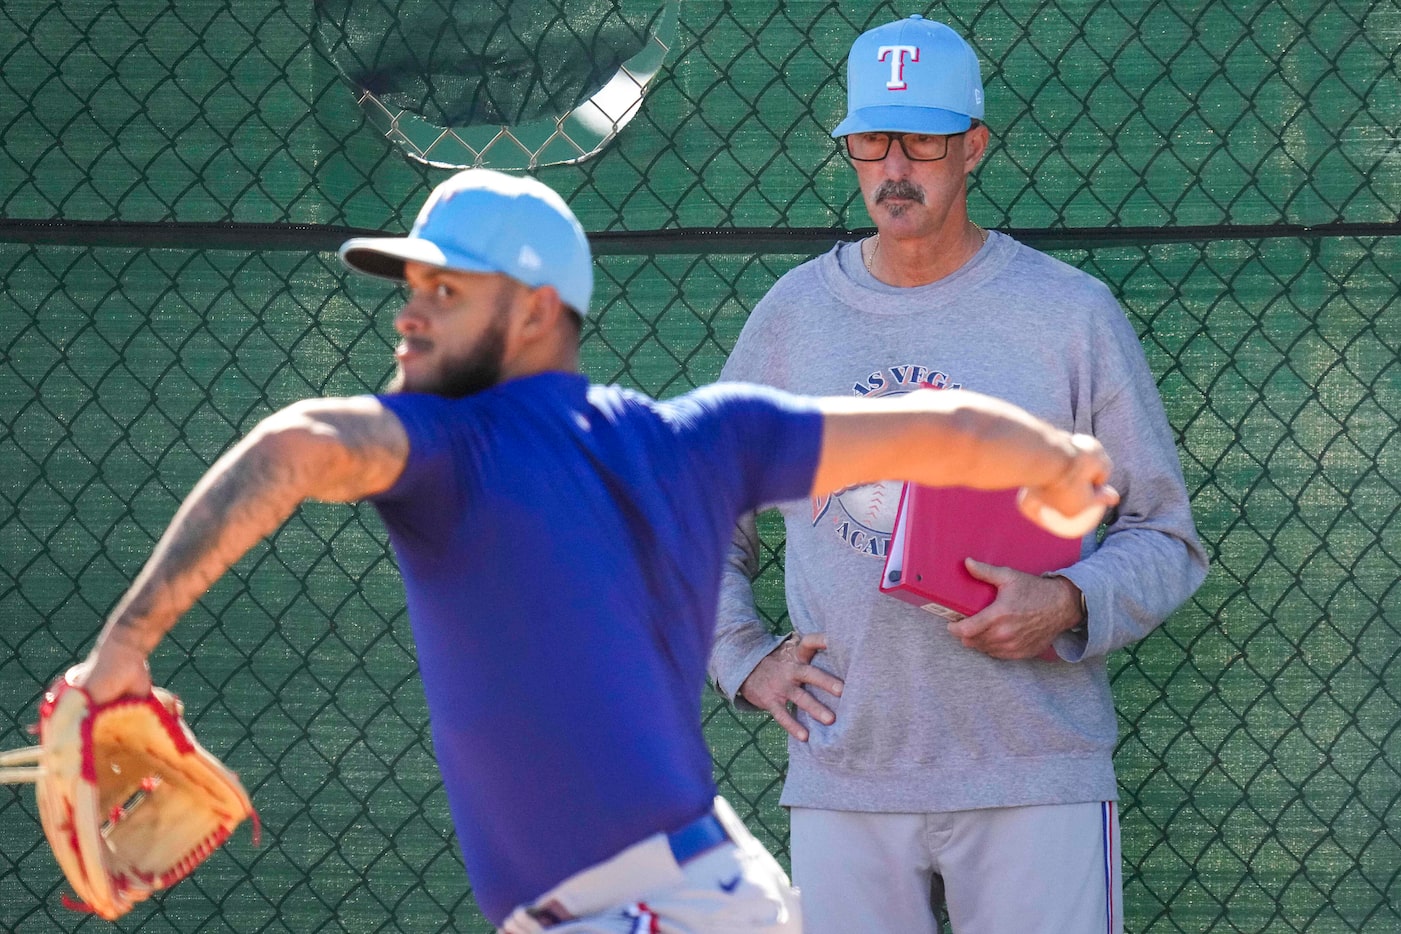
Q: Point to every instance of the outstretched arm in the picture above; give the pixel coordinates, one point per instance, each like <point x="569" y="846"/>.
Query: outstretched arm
<point x="961" y="438"/>
<point x="335" y="450"/>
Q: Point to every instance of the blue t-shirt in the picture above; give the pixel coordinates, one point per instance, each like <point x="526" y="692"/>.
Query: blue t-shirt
<point x="561" y="547"/>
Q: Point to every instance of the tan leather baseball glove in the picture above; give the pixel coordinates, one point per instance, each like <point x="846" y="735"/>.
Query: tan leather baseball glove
<point x="130" y="802"/>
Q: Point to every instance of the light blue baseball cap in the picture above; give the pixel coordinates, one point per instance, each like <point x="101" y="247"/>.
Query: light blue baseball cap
<point x="485" y="221"/>
<point x="911" y="76"/>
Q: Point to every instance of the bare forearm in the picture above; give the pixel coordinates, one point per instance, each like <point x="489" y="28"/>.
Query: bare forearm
<point x="994" y="445"/>
<point x="246" y="496"/>
<point x="939" y="438"/>
<point x="336" y="450"/>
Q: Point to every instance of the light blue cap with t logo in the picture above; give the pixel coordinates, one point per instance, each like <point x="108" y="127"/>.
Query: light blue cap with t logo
<point x="485" y="221"/>
<point x="911" y="76"/>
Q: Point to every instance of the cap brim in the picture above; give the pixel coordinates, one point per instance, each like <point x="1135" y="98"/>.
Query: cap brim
<point x="899" y="119"/>
<point x="384" y="257"/>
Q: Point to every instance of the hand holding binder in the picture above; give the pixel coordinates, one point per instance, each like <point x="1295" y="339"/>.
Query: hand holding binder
<point x="936" y="528"/>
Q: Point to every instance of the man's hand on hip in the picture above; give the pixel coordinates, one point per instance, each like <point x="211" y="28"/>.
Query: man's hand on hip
<point x="1027" y="614"/>
<point x="783" y="677"/>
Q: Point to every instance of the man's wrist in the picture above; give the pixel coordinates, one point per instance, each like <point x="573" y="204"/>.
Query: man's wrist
<point x="126" y="637"/>
<point x="1082" y="618"/>
<point x="1082" y="623"/>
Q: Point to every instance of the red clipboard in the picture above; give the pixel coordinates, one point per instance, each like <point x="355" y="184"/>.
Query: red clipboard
<point x="937" y="527"/>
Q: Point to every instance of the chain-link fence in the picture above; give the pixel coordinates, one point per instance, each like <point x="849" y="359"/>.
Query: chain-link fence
<point x="171" y="175"/>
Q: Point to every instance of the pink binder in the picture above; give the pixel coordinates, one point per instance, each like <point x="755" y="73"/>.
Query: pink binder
<point x="937" y="527"/>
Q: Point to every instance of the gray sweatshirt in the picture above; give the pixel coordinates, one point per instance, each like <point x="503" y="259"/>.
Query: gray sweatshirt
<point x="925" y="724"/>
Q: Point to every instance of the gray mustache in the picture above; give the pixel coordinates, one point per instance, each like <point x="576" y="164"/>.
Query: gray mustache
<point x="899" y="188"/>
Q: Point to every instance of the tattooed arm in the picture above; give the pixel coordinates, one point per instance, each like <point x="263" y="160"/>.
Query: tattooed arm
<point x="335" y="450"/>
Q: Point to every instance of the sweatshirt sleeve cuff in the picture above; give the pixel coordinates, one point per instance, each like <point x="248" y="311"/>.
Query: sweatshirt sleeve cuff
<point x="1076" y="644"/>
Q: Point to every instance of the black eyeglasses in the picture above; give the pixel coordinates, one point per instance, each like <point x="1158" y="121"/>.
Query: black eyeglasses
<point x="917" y="147"/>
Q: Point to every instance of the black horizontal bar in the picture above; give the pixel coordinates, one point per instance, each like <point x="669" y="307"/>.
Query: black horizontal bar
<point x="818" y="239"/>
<point x="177" y="235"/>
<point x="321" y="237"/>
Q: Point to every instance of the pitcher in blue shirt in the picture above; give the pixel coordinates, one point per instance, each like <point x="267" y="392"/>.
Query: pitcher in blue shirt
<point x="561" y="547"/>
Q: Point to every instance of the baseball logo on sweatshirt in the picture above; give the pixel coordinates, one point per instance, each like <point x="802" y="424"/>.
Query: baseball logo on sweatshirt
<point x="863" y="517"/>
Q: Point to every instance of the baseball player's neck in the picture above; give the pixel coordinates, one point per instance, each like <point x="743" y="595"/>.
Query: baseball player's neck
<point x="542" y="337"/>
<point x="556" y="352"/>
<point x="559" y="366"/>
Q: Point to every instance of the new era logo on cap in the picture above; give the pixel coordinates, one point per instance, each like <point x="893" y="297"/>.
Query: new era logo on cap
<point x="911" y="76"/>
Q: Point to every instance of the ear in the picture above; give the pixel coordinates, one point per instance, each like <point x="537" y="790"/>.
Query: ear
<point x="536" y="319"/>
<point x="975" y="146"/>
<point x="542" y="312"/>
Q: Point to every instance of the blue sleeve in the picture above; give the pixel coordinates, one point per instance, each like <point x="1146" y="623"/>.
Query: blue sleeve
<point x="772" y="436"/>
<point x="430" y="485"/>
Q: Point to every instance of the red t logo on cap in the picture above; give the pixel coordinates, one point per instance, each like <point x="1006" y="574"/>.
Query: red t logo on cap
<point x="897" y="63"/>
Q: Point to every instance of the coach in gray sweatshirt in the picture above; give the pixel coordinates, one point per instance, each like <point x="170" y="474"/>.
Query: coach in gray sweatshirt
<point x="931" y="759"/>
